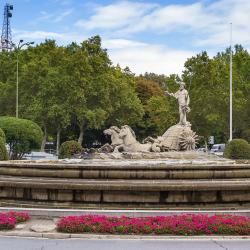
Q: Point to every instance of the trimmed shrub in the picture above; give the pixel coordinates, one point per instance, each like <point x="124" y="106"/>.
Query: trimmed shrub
<point x="246" y="135"/>
<point x="22" y="135"/>
<point x="3" y="151"/>
<point x="69" y="148"/>
<point x="237" y="149"/>
<point x="2" y="135"/>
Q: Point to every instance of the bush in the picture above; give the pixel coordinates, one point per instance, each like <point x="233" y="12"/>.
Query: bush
<point x="2" y="135"/>
<point x="246" y="135"/>
<point x="3" y="151"/>
<point x="22" y="135"/>
<point x="237" y="149"/>
<point x="69" y="148"/>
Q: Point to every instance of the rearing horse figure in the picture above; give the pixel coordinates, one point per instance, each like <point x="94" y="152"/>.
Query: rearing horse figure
<point x="130" y="144"/>
<point x="114" y="131"/>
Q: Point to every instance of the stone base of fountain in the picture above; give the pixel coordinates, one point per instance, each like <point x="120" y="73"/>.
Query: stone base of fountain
<point x="133" y="183"/>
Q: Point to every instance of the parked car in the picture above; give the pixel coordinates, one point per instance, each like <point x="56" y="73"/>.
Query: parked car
<point x="39" y="156"/>
<point x="218" y="149"/>
<point x="201" y="150"/>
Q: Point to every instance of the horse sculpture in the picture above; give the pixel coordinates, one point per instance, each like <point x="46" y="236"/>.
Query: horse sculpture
<point x="130" y="144"/>
<point x="114" y="131"/>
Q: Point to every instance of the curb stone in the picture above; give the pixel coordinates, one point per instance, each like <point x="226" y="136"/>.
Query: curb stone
<point x="56" y="235"/>
<point x="52" y="213"/>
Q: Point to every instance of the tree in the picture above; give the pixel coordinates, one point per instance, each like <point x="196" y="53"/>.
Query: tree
<point x="7" y="82"/>
<point x="100" y="94"/>
<point x="147" y="88"/>
<point x="208" y="95"/>
<point x="44" y="88"/>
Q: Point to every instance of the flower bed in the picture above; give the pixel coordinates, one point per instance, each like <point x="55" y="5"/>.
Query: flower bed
<point x="10" y="219"/>
<point x="19" y="216"/>
<point x="186" y="224"/>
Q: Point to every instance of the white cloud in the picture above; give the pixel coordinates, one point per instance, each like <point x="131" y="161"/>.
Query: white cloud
<point x="116" y="15"/>
<point x="228" y="11"/>
<point x="61" y="16"/>
<point x="138" y="56"/>
<point x="122" y="44"/>
<point x="63" y="2"/>
<point x="40" y="35"/>
<point x="55" y="17"/>
<point x="142" y="57"/>
<point x="44" y="16"/>
<point x="207" y="22"/>
<point x="174" y="17"/>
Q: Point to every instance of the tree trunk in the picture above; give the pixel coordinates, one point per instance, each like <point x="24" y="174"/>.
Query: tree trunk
<point x="80" y="138"/>
<point x="44" y="139"/>
<point x="58" y="135"/>
<point x="206" y="147"/>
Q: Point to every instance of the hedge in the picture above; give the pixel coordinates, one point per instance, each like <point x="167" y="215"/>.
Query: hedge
<point x="237" y="149"/>
<point x="69" y="148"/>
<point x="22" y="135"/>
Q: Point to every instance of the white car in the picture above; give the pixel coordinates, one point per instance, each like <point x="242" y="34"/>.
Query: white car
<point x="218" y="149"/>
<point x="39" y="156"/>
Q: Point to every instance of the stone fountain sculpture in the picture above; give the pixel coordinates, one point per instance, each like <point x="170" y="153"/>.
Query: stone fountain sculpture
<point x="179" y="137"/>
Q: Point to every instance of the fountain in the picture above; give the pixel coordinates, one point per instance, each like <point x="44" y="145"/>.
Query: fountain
<point x="163" y="173"/>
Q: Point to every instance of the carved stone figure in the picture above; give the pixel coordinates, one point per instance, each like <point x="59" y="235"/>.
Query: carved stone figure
<point x="176" y="138"/>
<point x="179" y="137"/>
<point x="183" y="99"/>
<point x="114" y="131"/>
<point x="130" y="144"/>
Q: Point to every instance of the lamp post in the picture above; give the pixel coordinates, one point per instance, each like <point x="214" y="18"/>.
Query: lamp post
<point x="231" y="94"/>
<point x="18" y="48"/>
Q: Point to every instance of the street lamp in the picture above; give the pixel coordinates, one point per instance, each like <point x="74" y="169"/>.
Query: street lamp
<point x="231" y="88"/>
<point x="18" y="48"/>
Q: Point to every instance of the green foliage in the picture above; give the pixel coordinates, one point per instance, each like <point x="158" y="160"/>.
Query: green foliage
<point x="208" y="82"/>
<point x="237" y="149"/>
<point x="147" y="88"/>
<point x="2" y="135"/>
<point x="3" y="150"/>
<point x="22" y="135"/>
<point x="246" y="135"/>
<point x="77" y="88"/>
<point x="69" y="148"/>
<point x="159" y="114"/>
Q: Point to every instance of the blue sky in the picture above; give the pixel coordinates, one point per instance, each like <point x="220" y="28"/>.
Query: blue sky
<point x="156" y="36"/>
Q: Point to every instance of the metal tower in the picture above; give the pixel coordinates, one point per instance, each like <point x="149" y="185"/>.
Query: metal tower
<point x="6" y="38"/>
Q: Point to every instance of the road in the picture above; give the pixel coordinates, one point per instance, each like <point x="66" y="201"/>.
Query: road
<point x="12" y="243"/>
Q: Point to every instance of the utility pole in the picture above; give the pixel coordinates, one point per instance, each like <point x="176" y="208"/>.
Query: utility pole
<point x="231" y="83"/>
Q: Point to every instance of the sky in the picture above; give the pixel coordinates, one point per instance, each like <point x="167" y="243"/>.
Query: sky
<point x="145" y="35"/>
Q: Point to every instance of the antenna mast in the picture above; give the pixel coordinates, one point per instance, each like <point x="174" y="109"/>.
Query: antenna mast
<point x="6" y="38"/>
